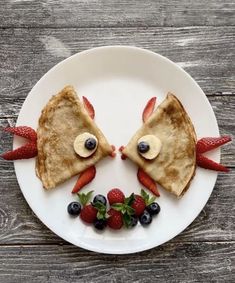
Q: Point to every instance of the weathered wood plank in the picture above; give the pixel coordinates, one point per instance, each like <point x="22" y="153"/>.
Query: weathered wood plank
<point x="100" y="13"/>
<point x="25" y="55"/>
<point x="18" y="225"/>
<point x="184" y="262"/>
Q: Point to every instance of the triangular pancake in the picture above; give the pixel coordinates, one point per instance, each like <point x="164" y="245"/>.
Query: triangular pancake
<point x="175" y="165"/>
<point x="62" y="120"/>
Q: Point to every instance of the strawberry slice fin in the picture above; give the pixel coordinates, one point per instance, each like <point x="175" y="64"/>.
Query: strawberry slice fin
<point x="23" y="131"/>
<point x="148" y="110"/>
<point x="84" y="178"/>
<point x="207" y="163"/>
<point x="26" y="151"/>
<point x="148" y="182"/>
<point x="89" y="107"/>
<point x="208" y="143"/>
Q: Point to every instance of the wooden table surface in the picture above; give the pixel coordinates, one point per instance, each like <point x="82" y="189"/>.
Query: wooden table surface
<point x="198" y="36"/>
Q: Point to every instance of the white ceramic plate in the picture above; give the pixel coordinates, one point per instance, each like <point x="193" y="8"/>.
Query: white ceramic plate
<point x="118" y="80"/>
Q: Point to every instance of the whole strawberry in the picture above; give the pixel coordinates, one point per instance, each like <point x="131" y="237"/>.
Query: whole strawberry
<point x="138" y="205"/>
<point x="88" y="213"/>
<point x="115" y="196"/>
<point x="115" y="220"/>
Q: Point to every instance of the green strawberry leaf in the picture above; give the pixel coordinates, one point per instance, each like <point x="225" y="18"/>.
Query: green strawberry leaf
<point x="148" y="200"/>
<point x="129" y="200"/>
<point x="84" y="198"/>
<point x="118" y="206"/>
<point x="130" y="210"/>
<point x="126" y="220"/>
<point x="99" y="206"/>
<point x="101" y="215"/>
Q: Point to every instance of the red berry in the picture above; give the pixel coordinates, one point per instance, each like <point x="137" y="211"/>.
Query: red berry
<point x="88" y="213"/>
<point x="206" y="144"/>
<point x="148" y="110"/>
<point x="207" y="163"/>
<point x="89" y="107"/>
<point x="23" y="131"/>
<point x="115" y="220"/>
<point x="26" y="151"/>
<point x="115" y="196"/>
<point x="147" y="181"/>
<point x="139" y="205"/>
<point x="84" y="178"/>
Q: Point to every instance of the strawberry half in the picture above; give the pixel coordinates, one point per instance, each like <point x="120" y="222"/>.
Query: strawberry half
<point x="148" y="182"/>
<point x="84" y="178"/>
<point x="206" y="144"/>
<point x="26" y="151"/>
<point x="207" y="163"/>
<point x="148" y="110"/>
<point x="89" y="107"/>
<point x="23" y="131"/>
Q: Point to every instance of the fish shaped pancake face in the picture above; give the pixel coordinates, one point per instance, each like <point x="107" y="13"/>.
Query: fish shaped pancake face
<point x="174" y="165"/>
<point x="64" y="119"/>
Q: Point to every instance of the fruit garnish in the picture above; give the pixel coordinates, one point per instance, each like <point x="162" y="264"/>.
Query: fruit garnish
<point x="100" y="198"/>
<point x="115" y="220"/>
<point x="85" y="144"/>
<point x="148" y="110"/>
<point x="85" y="197"/>
<point x="23" y="131"/>
<point x="84" y="178"/>
<point x="145" y="219"/>
<point x="88" y="213"/>
<point x="115" y="196"/>
<point x="148" y="182"/>
<point x="90" y="143"/>
<point x="207" y="163"/>
<point x="74" y="208"/>
<point x="153" y="208"/>
<point x="209" y="143"/>
<point x="101" y="210"/>
<point x="123" y="156"/>
<point x="138" y="205"/>
<point x="113" y="153"/>
<point x="89" y="107"/>
<point x="100" y="224"/>
<point x="147" y="198"/>
<point x="26" y="151"/>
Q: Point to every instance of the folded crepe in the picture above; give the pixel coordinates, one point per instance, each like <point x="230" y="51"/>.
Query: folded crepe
<point x="174" y="167"/>
<point x="62" y="120"/>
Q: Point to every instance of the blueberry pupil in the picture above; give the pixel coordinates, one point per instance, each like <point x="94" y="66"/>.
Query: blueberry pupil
<point x="90" y="143"/>
<point x="143" y="147"/>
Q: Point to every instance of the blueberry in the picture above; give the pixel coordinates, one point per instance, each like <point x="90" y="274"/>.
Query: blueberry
<point x="145" y="218"/>
<point x="100" y="224"/>
<point x="74" y="208"/>
<point x="153" y="208"/>
<point x="100" y="198"/>
<point x="90" y="143"/>
<point x="134" y="221"/>
<point x="143" y="147"/>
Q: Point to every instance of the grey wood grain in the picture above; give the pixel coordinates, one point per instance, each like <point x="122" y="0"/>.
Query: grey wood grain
<point x="206" y="53"/>
<point x="100" y="13"/>
<point x="182" y="262"/>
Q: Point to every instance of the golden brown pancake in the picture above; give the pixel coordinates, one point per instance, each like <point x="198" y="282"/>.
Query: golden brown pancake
<point x="61" y="121"/>
<point x="175" y="165"/>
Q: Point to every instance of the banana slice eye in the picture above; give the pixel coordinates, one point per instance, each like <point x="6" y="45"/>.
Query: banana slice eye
<point x="85" y="144"/>
<point x="149" y="146"/>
